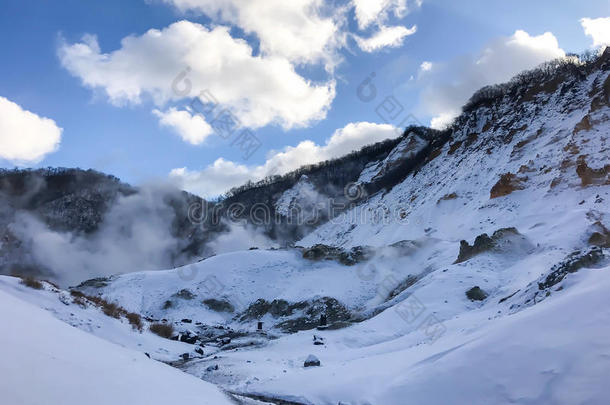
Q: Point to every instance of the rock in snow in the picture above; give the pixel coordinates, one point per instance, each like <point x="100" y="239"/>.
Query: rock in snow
<point x="311" y="361"/>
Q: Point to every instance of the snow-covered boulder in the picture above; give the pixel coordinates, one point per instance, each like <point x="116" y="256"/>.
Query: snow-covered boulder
<point x="311" y="361"/>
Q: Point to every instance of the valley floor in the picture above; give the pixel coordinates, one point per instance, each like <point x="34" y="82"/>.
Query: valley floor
<point x="449" y="350"/>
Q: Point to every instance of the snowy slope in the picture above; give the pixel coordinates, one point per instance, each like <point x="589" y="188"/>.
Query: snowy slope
<point x="436" y="312"/>
<point x="91" y="319"/>
<point x="241" y="278"/>
<point x="543" y="142"/>
<point x="553" y="353"/>
<point x="46" y="361"/>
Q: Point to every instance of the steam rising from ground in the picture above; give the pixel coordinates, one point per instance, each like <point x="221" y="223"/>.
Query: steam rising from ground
<point x="241" y="237"/>
<point x="138" y="232"/>
<point x="135" y="235"/>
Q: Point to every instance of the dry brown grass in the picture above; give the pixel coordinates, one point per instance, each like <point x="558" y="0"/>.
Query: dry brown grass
<point x="135" y="320"/>
<point x="113" y="310"/>
<point x="162" y="329"/>
<point x="108" y="308"/>
<point x="32" y="283"/>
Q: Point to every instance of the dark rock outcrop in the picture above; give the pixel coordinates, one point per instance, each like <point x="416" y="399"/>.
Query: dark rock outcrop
<point x="311" y="361"/>
<point x="483" y="243"/>
<point x="219" y="305"/>
<point x="349" y="257"/>
<point x="476" y="294"/>
<point x="297" y="316"/>
<point x="574" y="262"/>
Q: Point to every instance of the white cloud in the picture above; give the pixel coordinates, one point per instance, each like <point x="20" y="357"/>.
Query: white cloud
<point x="220" y="176"/>
<point x="24" y="136"/>
<point x="191" y="128"/>
<point x="302" y="31"/>
<point x="598" y="29"/>
<point x="425" y="66"/>
<point x="444" y="120"/>
<point x="449" y="85"/>
<point x="386" y="37"/>
<point x="306" y="31"/>
<point x="370" y="12"/>
<point x="259" y="90"/>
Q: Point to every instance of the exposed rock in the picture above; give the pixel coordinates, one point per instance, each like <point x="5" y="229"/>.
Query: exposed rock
<point x="219" y="305"/>
<point x="187" y="337"/>
<point x="508" y="297"/>
<point x="302" y="315"/>
<point x="212" y="368"/>
<point x="349" y="257"/>
<point x="574" y="262"/>
<point x="600" y="234"/>
<point x="318" y="340"/>
<point x="589" y="176"/>
<point x="481" y="244"/>
<point x="224" y="341"/>
<point x="277" y="308"/>
<point x="507" y="184"/>
<point x="408" y="282"/>
<point x="309" y="319"/>
<point x="600" y="239"/>
<point x="321" y="252"/>
<point x="184" y="294"/>
<point x="99" y="282"/>
<point x="447" y="197"/>
<point x="357" y="254"/>
<point x="311" y="361"/>
<point x="484" y="243"/>
<point x="476" y="294"/>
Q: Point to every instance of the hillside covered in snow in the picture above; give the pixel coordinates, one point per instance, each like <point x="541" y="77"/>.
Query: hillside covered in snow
<point x="467" y="266"/>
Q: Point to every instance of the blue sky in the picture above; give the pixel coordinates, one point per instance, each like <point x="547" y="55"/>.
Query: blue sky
<point x="122" y="136"/>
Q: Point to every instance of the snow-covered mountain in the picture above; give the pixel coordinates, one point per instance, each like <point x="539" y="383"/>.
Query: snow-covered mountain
<point x="465" y="266"/>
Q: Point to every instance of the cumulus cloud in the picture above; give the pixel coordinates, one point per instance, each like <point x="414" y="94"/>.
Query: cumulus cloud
<point x="307" y="31"/>
<point x="425" y="66"/>
<point x="24" y="136"/>
<point x="375" y="13"/>
<point x="186" y="58"/>
<point x="220" y="176"/>
<point x="191" y="128"/>
<point x="598" y="29"/>
<point x="370" y="12"/>
<point x="386" y="37"/>
<point x="302" y="31"/>
<point x="448" y="86"/>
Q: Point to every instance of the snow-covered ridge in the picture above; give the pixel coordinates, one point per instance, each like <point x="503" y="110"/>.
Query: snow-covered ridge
<point x="407" y="149"/>
<point x="553" y="148"/>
